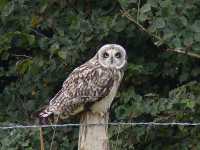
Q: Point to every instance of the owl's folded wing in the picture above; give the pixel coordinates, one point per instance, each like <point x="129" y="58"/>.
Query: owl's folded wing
<point x="86" y="84"/>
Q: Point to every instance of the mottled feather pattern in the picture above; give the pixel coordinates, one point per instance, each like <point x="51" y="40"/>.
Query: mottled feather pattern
<point x="89" y="83"/>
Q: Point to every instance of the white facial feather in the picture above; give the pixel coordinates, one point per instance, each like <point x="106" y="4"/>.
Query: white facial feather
<point x="112" y="56"/>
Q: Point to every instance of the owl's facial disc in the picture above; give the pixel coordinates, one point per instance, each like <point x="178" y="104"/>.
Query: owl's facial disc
<point x="112" y="56"/>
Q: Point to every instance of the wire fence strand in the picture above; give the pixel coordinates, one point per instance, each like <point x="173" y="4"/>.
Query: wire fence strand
<point x="111" y="123"/>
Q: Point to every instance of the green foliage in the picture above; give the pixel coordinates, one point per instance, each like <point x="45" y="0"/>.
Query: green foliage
<point x="41" y="42"/>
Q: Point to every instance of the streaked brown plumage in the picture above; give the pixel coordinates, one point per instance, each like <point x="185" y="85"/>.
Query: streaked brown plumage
<point x="90" y="83"/>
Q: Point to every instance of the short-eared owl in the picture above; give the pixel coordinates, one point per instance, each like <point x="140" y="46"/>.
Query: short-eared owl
<point x="93" y="84"/>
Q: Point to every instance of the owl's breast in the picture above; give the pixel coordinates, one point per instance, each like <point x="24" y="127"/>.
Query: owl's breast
<point x="104" y="104"/>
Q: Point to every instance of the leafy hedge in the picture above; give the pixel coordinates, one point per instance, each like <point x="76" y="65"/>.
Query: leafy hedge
<point x="42" y="41"/>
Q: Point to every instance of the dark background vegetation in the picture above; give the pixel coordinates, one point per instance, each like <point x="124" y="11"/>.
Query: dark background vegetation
<point x="41" y="41"/>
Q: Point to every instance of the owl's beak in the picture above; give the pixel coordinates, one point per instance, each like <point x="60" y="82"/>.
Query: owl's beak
<point x="111" y="60"/>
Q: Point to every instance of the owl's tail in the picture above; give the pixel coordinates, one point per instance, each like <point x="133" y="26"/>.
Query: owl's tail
<point x="45" y="113"/>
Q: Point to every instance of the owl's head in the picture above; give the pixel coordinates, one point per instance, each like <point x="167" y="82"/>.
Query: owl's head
<point x="112" y="56"/>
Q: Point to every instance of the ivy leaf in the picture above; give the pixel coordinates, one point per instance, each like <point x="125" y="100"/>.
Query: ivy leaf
<point x="23" y="66"/>
<point x="197" y="37"/>
<point x="54" y="47"/>
<point x="188" y="41"/>
<point x="120" y="26"/>
<point x="3" y="4"/>
<point x="145" y="8"/>
<point x="62" y="54"/>
<point x="124" y="3"/>
<point x="196" y="26"/>
<point x="7" y="9"/>
<point x="159" y="23"/>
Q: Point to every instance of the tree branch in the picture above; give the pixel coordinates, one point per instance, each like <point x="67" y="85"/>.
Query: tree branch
<point x="129" y="17"/>
<point x="182" y="51"/>
<point x="25" y="56"/>
<point x="177" y="50"/>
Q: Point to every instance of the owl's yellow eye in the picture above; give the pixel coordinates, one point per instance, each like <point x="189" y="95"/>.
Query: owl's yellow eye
<point x="118" y="55"/>
<point x="105" y="55"/>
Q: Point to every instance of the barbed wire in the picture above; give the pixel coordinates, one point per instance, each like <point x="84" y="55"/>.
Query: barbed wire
<point x="103" y="124"/>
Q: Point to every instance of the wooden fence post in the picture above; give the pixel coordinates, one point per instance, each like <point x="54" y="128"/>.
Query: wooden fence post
<point x="93" y="137"/>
